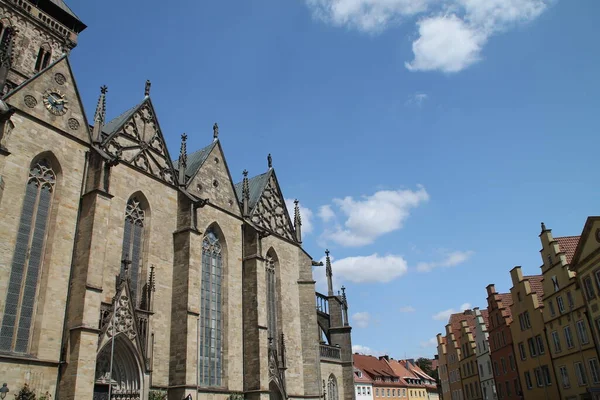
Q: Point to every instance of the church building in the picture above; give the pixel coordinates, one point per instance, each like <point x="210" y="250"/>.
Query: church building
<point x="126" y="273"/>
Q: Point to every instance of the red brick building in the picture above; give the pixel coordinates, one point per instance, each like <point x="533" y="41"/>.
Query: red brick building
<point x="508" y="385"/>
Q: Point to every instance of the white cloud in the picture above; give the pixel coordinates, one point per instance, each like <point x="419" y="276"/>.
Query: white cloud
<point x="450" y="260"/>
<point x="361" y="319"/>
<point x="372" y="216"/>
<point x="357" y="348"/>
<point x="366" y="15"/>
<point x="326" y="213"/>
<point x="369" y="269"/>
<point x="417" y="99"/>
<point x="407" y="309"/>
<point x="429" y="343"/>
<point x="444" y="315"/>
<point x="306" y="216"/>
<point x="452" y="33"/>
<point x="446" y="44"/>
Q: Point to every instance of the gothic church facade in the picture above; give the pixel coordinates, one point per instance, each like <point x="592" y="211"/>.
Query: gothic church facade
<point x="126" y="273"/>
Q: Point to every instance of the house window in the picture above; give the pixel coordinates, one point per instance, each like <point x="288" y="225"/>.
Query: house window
<point x="377" y="392"/>
<point x="580" y="372"/>
<point x="522" y="352"/>
<point x="511" y="361"/>
<point x="551" y="308"/>
<point x="547" y="375"/>
<point x="569" y="337"/>
<point x="561" y="304"/>
<point x="594" y="370"/>
<point x="564" y="375"/>
<point x="503" y="362"/>
<point x="539" y="379"/>
<point x="528" y="380"/>
<point x="368" y="390"/>
<point x="555" y="283"/>
<point x="489" y="367"/>
<point x="570" y="300"/>
<point x="517" y="386"/>
<point x="540" y="344"/>
<point x="597" y="275"/>
<point x="556" y="340"/>
<point x="133" y="242"/>
<point x="211" y="356"/>
<point x="582" y="332"/>
<point x="532" y="347"/>
<point x="496" y="371"/>
<point x="22" y="290"/>
<point x="508" y="394"/>
<point x="589" y="288"/>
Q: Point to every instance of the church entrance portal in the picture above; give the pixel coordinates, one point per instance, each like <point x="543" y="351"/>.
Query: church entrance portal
<point x="126" y="373"/>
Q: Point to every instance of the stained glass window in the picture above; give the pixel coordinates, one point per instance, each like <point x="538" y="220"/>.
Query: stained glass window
<point x="15" y="333"/>
<point x="133" y="240"/>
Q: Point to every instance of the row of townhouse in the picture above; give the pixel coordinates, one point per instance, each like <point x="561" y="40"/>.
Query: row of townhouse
<point x="386" y="378"/>
<point x="541" y="339"/>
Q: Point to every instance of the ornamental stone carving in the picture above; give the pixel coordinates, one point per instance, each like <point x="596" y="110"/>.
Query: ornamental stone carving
<point x="270" y="212"/>
<point x="123" y="320"/>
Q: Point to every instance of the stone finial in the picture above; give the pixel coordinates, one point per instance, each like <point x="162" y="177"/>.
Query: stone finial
<point x="147" y="88"/>
<point x="182" y="163"/>
<point x="329" y="273"/>
<point x="125" y="263"/>
<point x="246" y="194"/>
<point x="215" y="131"/>
<point x="270" y="161"/>
<point x="544" y="227"/>
<point x="297" y="221"/>
<point x="152" y="279"/>
<point x="100" y="115"/>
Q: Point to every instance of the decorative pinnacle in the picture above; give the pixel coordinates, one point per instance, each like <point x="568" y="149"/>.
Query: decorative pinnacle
<point x="147" y="89"/>
<point x="543" y="227"/>
<point x="100" y="115"/>
<point x="183" y="151"/>
<point x="297" y="218"/>
<point x="327" y="253"/>
<point x="270" y="161"/>
<point x="152" y="279"/>
<point x="215" y="131"/>
<point x="245" y="186"/>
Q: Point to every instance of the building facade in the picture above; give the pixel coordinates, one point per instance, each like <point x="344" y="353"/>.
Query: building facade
<point x="569" y="333"/>
<point x="531" y="347"/>
<point x="507" y="381"/>
<point x="586" y="264"/>
<point x="442" y="366"/>
<point x="455" y="352"/>
<point x="484" y="361"/>
<point x="468" y="362"/>
<point x="363" y="385"/>
<point x="124" y="271"/>
<point x="386" y="384"/>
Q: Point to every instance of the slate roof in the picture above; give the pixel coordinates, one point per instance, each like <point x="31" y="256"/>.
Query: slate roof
<point x="568" y="245"/>
<point x="535" y="281"/>
<point x="115" y="123"/>
<point x="63" y="6"/>
<point x="196" y="159"/>
<point x="256" y="185"/>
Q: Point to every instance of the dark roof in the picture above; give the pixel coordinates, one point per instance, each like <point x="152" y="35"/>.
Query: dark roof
<point x="63" y="6"/>
<point x="196" y="159"/>
<point x="568" y="245"/>
<point x="117" y="122"/>
<point x="61" y="12"/>
<point x="256" y="185"/>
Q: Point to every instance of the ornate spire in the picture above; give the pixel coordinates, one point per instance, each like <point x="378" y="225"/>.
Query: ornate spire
<point x="246" y="195"/>
<point x="270" y="161"/>
<point x="147" y="88"/>
<point x="182" y="164"/>
<point x="100" y="115"/>
<point x="297" y="221"/>
<point x="215" y="131"/>
<point x="329" y="273"/>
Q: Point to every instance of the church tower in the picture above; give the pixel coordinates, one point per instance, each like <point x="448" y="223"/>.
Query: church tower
<point x="34" y="34"/>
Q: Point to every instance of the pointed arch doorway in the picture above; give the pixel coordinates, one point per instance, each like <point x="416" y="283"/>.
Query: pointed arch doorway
<point x="126" y="378"/>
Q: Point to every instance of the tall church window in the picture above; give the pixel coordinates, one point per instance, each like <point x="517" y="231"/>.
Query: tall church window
<point x="43" y="58"/>
<point x="133" y="240"/>
<point x="332" y="388"/>
<point x="15" y="333"/>
<point x="211" y="355"/>
<point x="271" y="299"/>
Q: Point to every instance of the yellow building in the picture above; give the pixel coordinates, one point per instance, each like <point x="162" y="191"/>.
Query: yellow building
<point x="468" y="361"/>
<point x="443" y="366"/>
<point x="567" y="329"/>
<point x="586" y="263"/>
<point x="531" y="347"/>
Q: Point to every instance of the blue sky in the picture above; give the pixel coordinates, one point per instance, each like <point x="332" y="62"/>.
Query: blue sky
<point x="425" y="139"/>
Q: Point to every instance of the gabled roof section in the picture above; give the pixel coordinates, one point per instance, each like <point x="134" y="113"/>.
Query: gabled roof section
<point x="455" y="322"/>
<point x="568" y="245"/>
<point x="135" y="138"/>
<point x="256" y="185"/>
<point x="535" y="282"/>
<point x="372" y="366"/>
<point x="587" y="244"/>
<point x="196" y="159"/>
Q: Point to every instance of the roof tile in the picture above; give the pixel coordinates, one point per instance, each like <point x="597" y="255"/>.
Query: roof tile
<point x="568" y="245"/>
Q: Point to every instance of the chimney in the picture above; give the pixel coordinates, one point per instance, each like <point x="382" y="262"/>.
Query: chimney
<point x="386" y="357"/>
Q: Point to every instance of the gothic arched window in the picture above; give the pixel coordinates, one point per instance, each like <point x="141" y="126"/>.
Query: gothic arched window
<point x="271" y="277"/>
<point x="211" y="355"/>
<point x="133" y="240"/>
<point x="26" y="266"/>
<point x="332" y="389"/>
<point x="43" y="58"/>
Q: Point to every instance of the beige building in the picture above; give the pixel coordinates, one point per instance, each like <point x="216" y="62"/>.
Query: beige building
<point x="568" y="331"/>
<point x="123" y="271"/>
<point x="531" y="347"/>
<point x="468" y="361"/>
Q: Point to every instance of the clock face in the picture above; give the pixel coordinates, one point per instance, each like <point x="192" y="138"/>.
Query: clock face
<point x="55" y="102"/>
